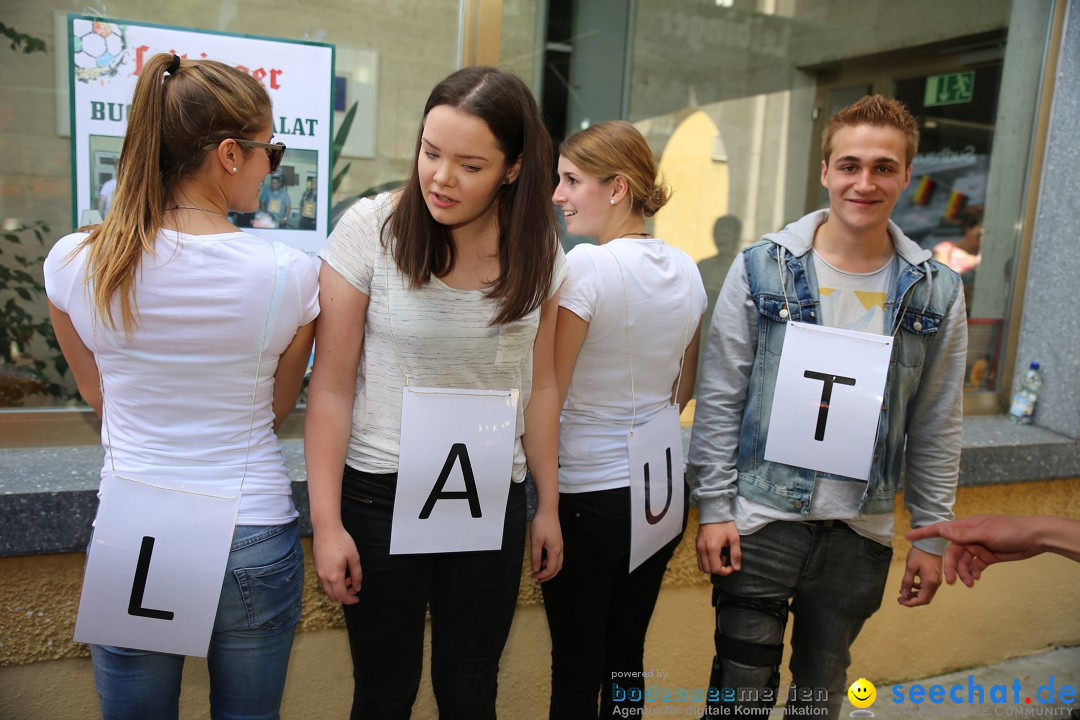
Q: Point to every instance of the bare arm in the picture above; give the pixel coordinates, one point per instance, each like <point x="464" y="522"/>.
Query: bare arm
<point x="340" y="333"/>
<point x="541" y="444"/>
<point x="79" y="357"/>
<point x="288" y="211"/>
<point x="570" y="331"/>
<point x="981" y="540"/>
<point x="290" y="373"/>
<point x="685" y="391"/>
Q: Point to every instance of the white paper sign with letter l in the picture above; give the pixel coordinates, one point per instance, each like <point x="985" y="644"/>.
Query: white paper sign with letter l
<point x="454" y="469"/>
<point x="827" y="401"/>
<point x="657" y="499"/>
<point x="155" y="568"/>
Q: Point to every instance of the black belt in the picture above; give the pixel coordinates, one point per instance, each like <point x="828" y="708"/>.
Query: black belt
<point x="826" y="523"/>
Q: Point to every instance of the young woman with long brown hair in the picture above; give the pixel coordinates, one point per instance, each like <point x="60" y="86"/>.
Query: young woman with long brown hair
<point x="450" y="283"/>
<point x="199" y="335"/>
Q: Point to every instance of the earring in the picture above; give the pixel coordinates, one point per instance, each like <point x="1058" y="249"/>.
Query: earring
<point x="506" y="180"/>
<point x="234" y="169"/>
<point x="612" y="201"/>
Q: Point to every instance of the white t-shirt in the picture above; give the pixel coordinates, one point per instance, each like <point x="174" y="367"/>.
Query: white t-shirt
<point x="853" y="301"/>
<point x="441" y="337"/>
<point x="178" y="392"/>
<point x="664" y="299"/>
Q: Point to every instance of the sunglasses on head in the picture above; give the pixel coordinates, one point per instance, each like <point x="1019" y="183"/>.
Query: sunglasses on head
<point x="274" y="151"/>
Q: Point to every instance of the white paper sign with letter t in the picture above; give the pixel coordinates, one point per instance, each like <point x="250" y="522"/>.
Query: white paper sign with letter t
<point x="827" y="400"/>
<point x="454" y="468"/>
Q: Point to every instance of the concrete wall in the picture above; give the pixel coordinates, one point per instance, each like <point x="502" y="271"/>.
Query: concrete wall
<point x="752" y="67"/>
<point x="1016" y="609"/>
<point x="687" y="52"/>
<point x="1047" y="335"/>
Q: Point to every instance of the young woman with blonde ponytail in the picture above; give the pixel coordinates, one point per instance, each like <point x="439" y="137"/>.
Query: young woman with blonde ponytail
<point x="626" y="345"/>
<point x="199" y="335"/>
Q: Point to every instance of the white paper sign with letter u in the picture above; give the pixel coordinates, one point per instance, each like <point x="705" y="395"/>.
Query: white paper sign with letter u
<point x="155" y="567"/>
<point x="454" y="469"/>
<point x="827" y="401"/>
<point x="657" y="499"/>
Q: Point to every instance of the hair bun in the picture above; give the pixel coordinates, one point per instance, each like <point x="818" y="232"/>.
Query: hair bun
<point x="658" y="198"/>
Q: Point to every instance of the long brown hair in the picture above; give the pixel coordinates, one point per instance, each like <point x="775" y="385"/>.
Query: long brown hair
<point x="528" y="241"/>
<point x="173" y="123"/>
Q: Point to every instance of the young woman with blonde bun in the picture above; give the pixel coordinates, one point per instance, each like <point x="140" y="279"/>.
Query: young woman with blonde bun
<point x="629" y="323"/>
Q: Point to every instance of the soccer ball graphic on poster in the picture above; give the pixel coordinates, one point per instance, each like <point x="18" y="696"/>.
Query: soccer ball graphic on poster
<point x="98" y="49"/>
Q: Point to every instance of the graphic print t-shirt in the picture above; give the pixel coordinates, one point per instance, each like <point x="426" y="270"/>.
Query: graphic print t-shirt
<point x="854" y="301"/>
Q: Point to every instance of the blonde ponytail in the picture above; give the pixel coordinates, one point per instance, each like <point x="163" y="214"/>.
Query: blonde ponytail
<point x="173" y="122"/>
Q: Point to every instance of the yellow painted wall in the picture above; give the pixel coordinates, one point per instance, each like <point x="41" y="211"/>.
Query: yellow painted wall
<point x="1017" y="609"/>
<point x="699" y="185"/>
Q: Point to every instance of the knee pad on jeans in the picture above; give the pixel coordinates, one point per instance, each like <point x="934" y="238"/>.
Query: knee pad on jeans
<point x="760" y="655"/>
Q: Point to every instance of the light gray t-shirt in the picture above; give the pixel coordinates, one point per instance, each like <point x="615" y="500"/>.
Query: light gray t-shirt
<point x="435" y="334"/>
<point x="852" y="301"/>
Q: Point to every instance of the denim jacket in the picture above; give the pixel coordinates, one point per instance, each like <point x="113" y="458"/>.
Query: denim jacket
<point x="920" y="423"/>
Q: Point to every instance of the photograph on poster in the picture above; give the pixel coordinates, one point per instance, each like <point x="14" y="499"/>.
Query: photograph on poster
<point x="288" y="198"/>
<point x="104" y="155"/>
<point x="105" y="58"/>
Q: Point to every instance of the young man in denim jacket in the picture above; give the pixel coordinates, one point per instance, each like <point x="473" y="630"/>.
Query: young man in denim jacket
<point x="777" y="537"/>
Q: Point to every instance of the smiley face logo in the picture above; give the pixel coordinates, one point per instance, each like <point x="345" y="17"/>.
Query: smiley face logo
<point x="862" y="693"/>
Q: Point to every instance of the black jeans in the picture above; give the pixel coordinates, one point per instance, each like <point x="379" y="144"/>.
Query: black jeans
<point x="597" y="611"/>
<point x="472" y="596"/>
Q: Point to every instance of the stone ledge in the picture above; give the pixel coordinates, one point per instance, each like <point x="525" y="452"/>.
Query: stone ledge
<point x="48" y="496"/>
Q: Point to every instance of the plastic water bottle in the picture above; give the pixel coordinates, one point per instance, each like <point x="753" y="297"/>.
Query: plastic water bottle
<point x="1023" y="402"/>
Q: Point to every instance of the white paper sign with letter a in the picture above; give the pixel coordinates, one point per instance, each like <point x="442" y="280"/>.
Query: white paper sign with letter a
<point x="827" y="401"/>
<point x="454" y="466"/>
<point x="657" y="500"/>
<point x="155" y="567"/>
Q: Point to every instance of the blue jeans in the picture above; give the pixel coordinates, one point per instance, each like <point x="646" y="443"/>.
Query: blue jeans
<point x="597" y="610"/>
<point x="830" y="578"/>
<point x="472" y="597"/>
<point x="249" y="649"/>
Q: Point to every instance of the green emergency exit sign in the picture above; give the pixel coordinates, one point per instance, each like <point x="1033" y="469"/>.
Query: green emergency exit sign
<point x="950" y="89"/>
